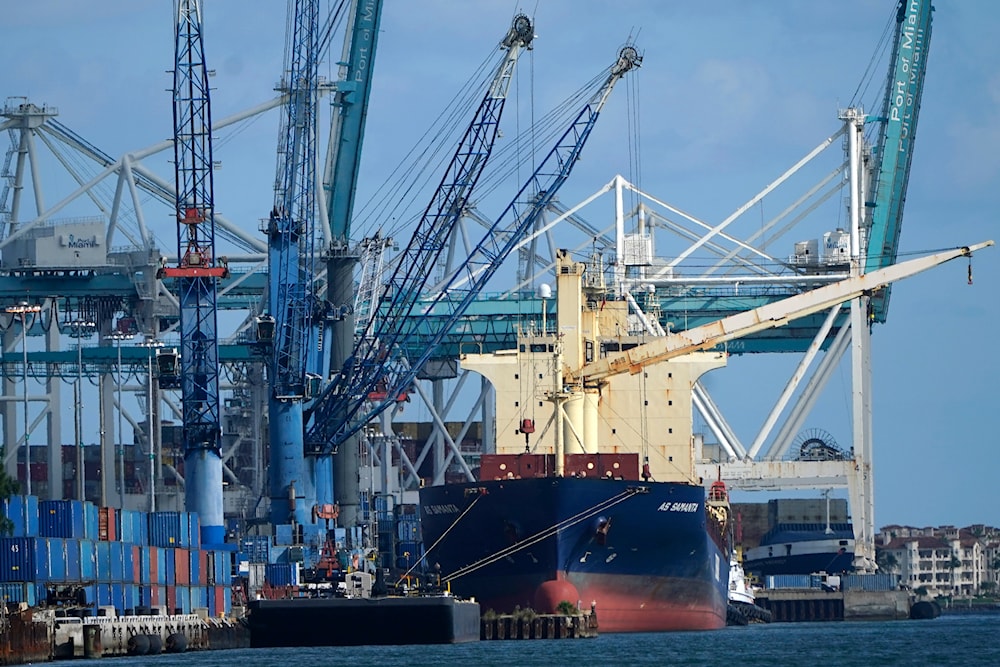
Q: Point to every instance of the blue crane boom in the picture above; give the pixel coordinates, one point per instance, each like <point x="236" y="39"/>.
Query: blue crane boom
<point x="196" y="273"/>
<point x="897" y="131"/>
<point x="377" y="361"/>
<point x="291" y="252"/>
<point x="438" y="220"/>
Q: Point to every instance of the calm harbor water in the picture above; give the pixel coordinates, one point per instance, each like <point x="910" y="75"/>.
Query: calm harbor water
<point x="967" y="640"/>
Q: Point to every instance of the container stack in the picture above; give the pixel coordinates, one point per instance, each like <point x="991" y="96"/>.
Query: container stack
<point x="73" y="553"/>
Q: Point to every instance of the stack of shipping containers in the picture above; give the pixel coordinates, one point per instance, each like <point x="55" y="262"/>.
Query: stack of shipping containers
<point x="126" y="559"/>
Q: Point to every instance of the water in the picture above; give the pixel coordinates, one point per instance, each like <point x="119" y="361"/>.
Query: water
<point x="969" y="640"/>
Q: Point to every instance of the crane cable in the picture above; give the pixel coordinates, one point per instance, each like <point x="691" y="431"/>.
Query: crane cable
<point x="541" y="535"/>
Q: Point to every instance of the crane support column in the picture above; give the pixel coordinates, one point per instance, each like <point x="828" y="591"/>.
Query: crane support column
<point x="196" y="274"/>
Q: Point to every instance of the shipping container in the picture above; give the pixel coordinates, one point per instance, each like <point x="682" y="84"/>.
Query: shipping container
<point x="199" y="598"/>
<point x="73" y="568"/>
<point x="61" y="518"/>
<point x="50" y="558"/>
<point x="132" y="599"/>
<point x="103" y="553"/>
<point x="125" y="525"/>
<point x="182" y="567"/>
<point x="408" y="530"/>
<point x="88" y="560"/>
<point x="145" y="575"/>
<point x="158" y="595"/>
<point x="168" y="566"/>
<point x="134" y="575"/>
<point x="169" y="529"/>
<point x="107" y="524"/>
<point x="216" y="603"/>
<point x="313" y="534"/>
<point x="17" y="559"/>
<point x="206" y="567"/>
<point x="23" y="514"/>
<point x="91" y="521"/>
<point x="104" y="595"/>
<point x="223" y="568"/>
<point x="157" y="565"/>
<point x="256" y="577"/>
<point x="117" y="561"/>
<point x="90" y="595"/>
<point x="183" y="594"/>
<point x="194" y="567"/>
<point x="171" y="599"/>
<point x="878" y="581"/>
<point x="257" y="548"/>
<point x="194" y="527"/>
<point x="13" y="592"/>
<point x="283" y="574"/>
<point x="788" y="581"/>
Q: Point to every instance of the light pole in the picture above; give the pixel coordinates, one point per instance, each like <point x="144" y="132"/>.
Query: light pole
<point x="79" y="329"/>
<point x="118" y="338"/>
<point x="150" y="344"/>
<point x="23" y="309"/>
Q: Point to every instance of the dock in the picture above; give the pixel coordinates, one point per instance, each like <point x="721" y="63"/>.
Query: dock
<point x="789" y="605"/>
<point x="528" y="625"/>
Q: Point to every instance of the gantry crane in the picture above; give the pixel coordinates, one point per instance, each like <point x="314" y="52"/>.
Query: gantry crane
<point x="378" y="361"/>
<point x="196" y="274"/>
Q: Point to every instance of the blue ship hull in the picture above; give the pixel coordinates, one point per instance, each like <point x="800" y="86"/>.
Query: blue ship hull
<point x="645" y="553"/>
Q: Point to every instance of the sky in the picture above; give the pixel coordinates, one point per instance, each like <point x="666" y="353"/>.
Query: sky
<point x="730" y="94"/>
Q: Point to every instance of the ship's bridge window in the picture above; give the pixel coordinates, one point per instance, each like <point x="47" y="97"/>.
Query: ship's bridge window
<point x="538" y="347"/>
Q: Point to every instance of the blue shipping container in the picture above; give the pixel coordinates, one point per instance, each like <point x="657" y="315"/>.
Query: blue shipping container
<point x="91" y="521"/>
<point x="145" y="573"/>
<point x="169" y="529"/>
<point x="132" y="599"/>
<point x="88" y="560"/>
<point x="878" y="581"/>
<point x="199" y="597"/>
<point x="73" y="566"/>
<point x="23" y="513"/>
<point x="161" y="565"/>
<point x="60" y="518"/>
<point x="257" y="548"/>
<point x="117" y="562"/>
<point x="17" y="559"/>
<point x="223" y="568"/>
<point x="169" y="564"/>
<point x="282" y="574"/>
<point x="50" y="554"/>
<point x="194" y="528"/>
<point x="102" y="551"/>
<point x="140" y="528"/>
<point x="19" y="592"/>
<point x="194" y="558"/>
<point x="128" y="563"/>
<point x="408" y="530"/>
<point x="183" y="599"/>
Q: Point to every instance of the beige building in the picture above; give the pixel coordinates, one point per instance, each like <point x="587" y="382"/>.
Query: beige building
<point x="946" y="561"/>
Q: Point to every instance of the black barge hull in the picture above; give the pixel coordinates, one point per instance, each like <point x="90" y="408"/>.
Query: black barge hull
<point x="362" y="621"/>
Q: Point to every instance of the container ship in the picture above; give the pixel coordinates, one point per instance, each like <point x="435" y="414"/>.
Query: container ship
<point x="597" y="505"/>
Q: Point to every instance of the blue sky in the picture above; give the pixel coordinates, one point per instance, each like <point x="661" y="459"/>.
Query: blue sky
<point x="730" y="93"/>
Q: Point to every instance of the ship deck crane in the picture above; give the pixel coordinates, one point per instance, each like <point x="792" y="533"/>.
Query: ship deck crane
<point x="196" y="274"/>
<point x="377" y="360"/>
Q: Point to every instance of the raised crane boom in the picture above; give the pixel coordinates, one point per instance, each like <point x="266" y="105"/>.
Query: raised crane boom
<point x="897" y="131"/>
<point x="196" y="275"/>
<point x="769" y="316"/>
<point x="379" y="362"/>
<point x="360" y="372"/>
